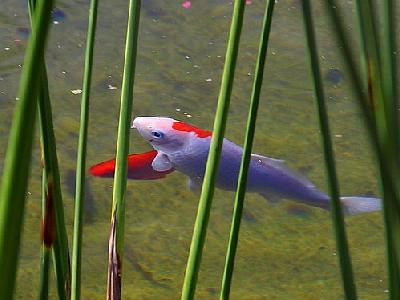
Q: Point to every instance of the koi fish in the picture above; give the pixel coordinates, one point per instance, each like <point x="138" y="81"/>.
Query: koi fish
<point x="182" y="147"/>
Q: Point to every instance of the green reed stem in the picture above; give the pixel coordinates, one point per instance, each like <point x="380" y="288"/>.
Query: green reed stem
<point x="362" y="100"/>
<point x="48" y="142"/>
<point x="384" y="108"/>
<point x="60" y="246"/>
<point x="391" y="231"/>
<point x="207" y="192"/>
<point x="389" y="78"/>
<point x="359" y="88"/>
<point x="372" y="74"/>
<point x="247" y="148"/>
<point x="18" y="157"/>
<point x="81" y="159"/>
<point x="389" y="63"/>
<point x="382" y="103"/>
<point x="45" y="251"/>
<point x="47" y="234"/>
<point x="389" y="178"/>
<point x="337" y="213"/>
<point x="121" y="170"/>
<point x="44" y="273"/>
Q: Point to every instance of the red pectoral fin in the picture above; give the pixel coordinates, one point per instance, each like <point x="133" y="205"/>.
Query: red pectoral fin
<point x="139" y="167"/>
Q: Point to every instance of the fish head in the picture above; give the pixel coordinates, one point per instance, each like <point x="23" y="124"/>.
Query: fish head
<point x="159" y="132"/>
<point x="167" y="134"/>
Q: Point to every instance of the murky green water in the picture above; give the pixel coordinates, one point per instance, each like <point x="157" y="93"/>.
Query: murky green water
<point x="286" y="250"/>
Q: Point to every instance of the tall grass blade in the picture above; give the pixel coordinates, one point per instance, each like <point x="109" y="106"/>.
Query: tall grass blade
<point x="118" y="209"/>
<point x="45" y="252"/>
<point x="363" y="101"/>
<point x="344" y="46"/>
<point x="207" y="192"/>
<point x="389" y="79"/>
<point x="50" y="164"/>
<point x="48" y="235"/>
<point x="81" y="159"/>
<point x="44" y="273"/>
<point x="372" y="74"/>
<point x="337" y="213"/>
<point x="247" y="148"/>
<point x="380" y="72"/>
<point x="17" y="162"/>
<point x="389" y="63"/>
<point x="384" y="109"/>
<point x="60" y="245"/>
<point x="362" y="98"/>
<point x="378" y="125"/>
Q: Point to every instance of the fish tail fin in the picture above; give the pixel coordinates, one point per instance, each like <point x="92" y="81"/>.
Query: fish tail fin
<point x="359" y="205"/>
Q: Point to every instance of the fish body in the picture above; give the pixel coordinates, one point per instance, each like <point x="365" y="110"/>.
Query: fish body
<point x="266" y="176"/>
<point x="183" y="147"/>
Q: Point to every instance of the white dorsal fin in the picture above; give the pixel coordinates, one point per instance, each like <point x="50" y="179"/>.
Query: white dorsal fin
<point x="269" y="160"/>
<point x="161" y="162"/>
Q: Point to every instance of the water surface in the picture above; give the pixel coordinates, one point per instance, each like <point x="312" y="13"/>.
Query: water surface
<point x="286" y="250"/>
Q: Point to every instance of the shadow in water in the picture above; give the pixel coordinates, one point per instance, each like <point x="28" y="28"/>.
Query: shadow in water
<point x="89" y="206"/>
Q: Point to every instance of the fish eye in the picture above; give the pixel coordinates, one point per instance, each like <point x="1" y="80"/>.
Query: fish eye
<point x="157" y="134"/>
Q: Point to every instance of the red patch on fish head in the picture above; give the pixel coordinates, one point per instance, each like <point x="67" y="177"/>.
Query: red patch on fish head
<point x="181" y="126"/>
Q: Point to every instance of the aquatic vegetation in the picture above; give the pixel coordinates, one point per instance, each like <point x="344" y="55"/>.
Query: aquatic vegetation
<point x="207" y="190"/>
<point x="53" y="209"/>
<point x="373" y="81"/>
<point x="116" y="244"/>
<point x="81" y="191"/>
<point x="335" y="200"/>
<point x="247" y="148"/>
<point x="15" y="174"/>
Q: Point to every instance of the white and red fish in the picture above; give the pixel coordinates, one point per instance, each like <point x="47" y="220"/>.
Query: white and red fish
<point x="184" y="148"/>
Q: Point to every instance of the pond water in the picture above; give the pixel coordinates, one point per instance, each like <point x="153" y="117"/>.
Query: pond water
<point x="286" y="250"/>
